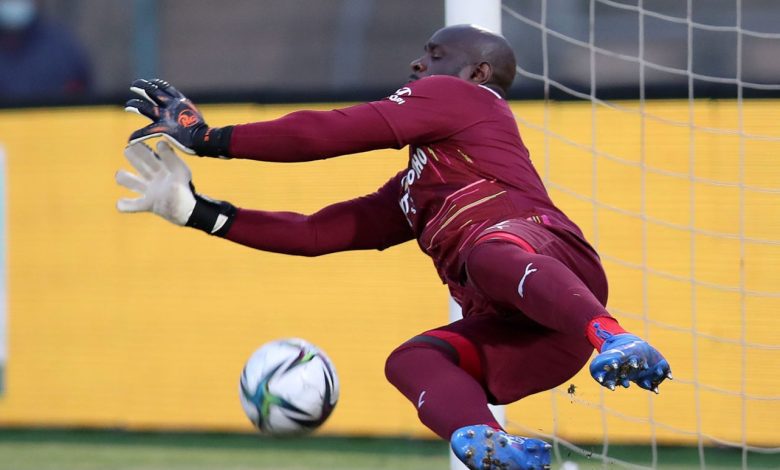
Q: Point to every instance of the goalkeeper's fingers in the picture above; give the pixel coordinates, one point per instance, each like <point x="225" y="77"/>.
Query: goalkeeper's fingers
<point x="168" y="89"/>
<point x="156" y="91"/>
<point x="173" y="163"/>
<point x="143" y="160"/>
<point x="145" y="90"/>
<point x="131" y="181"/>
<point x="139" y="204"/>
<point x="144" y="108"/>
<point x="150" y="91"/>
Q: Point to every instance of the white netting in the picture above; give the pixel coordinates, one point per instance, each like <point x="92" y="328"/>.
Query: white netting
<point x="681" y="195"/>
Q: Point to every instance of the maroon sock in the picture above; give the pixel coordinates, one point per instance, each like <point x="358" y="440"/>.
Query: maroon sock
<point x="445" y="395"/>
<point x="600" y="329"/>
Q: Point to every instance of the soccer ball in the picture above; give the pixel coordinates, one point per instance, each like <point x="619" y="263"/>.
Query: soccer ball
<point x="288" y="387"/>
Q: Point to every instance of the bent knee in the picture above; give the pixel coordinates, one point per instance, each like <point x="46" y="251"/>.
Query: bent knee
<point x="405" y="356"/>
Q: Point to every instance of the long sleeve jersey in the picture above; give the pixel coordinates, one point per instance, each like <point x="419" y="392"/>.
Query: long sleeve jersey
<point x="468" y="169"/>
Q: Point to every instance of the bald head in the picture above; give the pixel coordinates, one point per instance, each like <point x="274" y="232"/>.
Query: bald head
<point x="471" y="53"/>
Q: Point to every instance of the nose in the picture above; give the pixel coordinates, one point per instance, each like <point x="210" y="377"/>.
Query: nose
<point x="417" y="65"/>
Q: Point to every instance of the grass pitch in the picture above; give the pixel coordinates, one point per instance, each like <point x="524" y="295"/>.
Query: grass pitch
<point x="117" y="450"/>
<point x="114" y="450"/>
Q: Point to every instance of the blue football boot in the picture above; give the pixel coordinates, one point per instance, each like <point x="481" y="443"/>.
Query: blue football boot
<point x="481" y="447"/>
<point x="626" y="358"/>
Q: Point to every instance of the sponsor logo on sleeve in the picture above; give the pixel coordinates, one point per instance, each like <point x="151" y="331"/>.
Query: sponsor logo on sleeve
<point x="397" y="97"/>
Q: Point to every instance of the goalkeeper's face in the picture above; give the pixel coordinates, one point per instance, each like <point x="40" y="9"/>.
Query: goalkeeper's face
<point x="467" y="52"/>
<point x="445" y="54"/>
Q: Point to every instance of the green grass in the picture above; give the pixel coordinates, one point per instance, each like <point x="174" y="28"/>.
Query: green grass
<point x="117" y="450"/>
<point x="93" y="450"/>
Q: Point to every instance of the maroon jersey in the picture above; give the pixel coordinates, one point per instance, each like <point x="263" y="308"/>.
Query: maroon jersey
<point x="468" y="167"/>
<point x="468" y="170"/>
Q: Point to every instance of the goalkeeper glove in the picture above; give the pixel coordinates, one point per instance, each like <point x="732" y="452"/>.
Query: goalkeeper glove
<point x="176" y="118"/>
<point x="165" y="184"/>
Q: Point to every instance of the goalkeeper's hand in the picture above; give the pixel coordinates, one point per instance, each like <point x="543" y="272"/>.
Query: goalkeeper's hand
<point x="164" y="182"/>
<point x="176" y="118"/>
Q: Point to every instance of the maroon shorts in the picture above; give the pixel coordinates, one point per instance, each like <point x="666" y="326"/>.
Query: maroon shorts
<point x="556" y="242"/>
<point x="511" y="355"/>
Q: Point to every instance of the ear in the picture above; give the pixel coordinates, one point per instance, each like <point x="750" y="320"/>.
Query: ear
<point x="482" y="73"/>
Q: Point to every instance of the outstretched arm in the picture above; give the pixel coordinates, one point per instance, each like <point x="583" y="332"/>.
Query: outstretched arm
<point x="298" y="137"/>
<point x="423" y="111"/>
<point x="313" y="135"/>
<point x="369" y="222"/>
<point x="164" y="183"/>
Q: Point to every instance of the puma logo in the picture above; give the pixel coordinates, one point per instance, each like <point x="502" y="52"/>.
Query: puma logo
<point x="528" y="272"/>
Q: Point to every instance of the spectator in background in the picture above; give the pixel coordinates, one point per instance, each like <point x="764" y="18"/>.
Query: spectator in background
<point x="39" y="60"/>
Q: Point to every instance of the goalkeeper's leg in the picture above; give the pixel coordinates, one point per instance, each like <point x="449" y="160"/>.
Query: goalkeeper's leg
<point x="454" y="405"/>
<point x="450" y="374"/>
<point x="442" y="383"/>
<point x="549" y="292"/>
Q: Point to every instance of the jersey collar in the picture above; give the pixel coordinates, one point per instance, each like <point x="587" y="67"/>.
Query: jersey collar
<point x="492" y="91"/>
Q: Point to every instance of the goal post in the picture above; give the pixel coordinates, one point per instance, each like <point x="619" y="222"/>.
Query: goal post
<point x="485" y="13"/>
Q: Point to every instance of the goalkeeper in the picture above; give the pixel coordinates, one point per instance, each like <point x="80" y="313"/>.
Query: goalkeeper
<point x="532" y="290"/>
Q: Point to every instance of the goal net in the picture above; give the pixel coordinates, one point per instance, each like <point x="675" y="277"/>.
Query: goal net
<point x="658" y="131"/>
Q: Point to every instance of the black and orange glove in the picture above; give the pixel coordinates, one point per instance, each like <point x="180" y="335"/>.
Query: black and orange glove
<point x="177" y="119"/>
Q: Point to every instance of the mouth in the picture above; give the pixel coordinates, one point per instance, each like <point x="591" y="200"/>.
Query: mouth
<point x="413" y="77"/>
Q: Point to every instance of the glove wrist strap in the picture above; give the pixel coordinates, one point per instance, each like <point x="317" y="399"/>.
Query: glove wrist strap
<point x="212" y="141"/>
<point x="213" y="217"/>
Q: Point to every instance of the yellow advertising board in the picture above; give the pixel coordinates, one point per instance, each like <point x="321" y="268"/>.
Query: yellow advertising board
<point x="126" y="321"/>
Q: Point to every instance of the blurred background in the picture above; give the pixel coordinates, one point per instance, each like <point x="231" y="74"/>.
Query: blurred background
<point x="299" y="50"/>
<point x="652" y="122"/>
